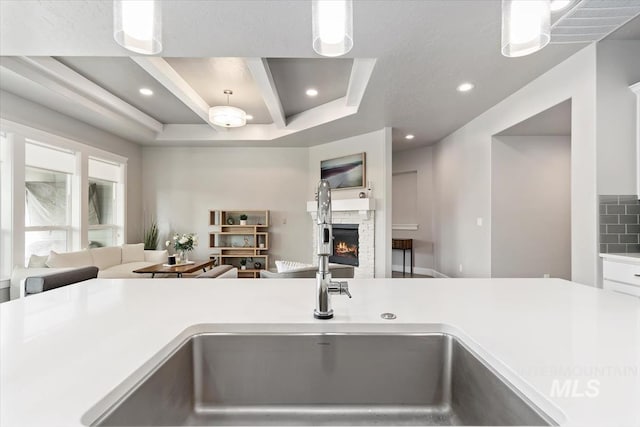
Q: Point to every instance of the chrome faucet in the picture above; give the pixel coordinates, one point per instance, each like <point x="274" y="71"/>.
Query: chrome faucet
<point x="324" y="285"/>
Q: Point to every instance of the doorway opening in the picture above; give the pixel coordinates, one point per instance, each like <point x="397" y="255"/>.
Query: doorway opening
<point x="531" y="197"/>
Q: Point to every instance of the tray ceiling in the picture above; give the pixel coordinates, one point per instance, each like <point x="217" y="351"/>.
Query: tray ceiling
<point x="421" y="51"/>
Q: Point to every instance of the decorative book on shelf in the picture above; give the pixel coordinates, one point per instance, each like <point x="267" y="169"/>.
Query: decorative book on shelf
<point x="240" y="238"/>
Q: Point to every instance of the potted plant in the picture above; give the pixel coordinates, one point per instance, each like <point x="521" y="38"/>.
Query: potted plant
<point x="184" y="243"/>
<point x="151" y="235"/>
<point x="243" y="219"/>
<point x="243" y="264"/>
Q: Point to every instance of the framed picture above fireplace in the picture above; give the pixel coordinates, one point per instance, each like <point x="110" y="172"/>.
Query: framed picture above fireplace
<point x="345" y="172"/>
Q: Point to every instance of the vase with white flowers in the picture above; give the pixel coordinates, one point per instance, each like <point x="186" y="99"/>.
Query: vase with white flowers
<point x="183" y="243"/>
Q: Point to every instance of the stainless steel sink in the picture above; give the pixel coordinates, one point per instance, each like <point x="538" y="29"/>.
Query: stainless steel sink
<point x="323" y="379"/>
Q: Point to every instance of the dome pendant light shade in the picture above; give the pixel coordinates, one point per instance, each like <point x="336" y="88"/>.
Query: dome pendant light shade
<point x="332" y="26"/>
<point x="137" y="25"/>
<point x="226" y="115"/>
<point x="526" y="26"/>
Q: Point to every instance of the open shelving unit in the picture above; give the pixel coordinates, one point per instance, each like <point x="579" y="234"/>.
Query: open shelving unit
<point x="230" y="241"/>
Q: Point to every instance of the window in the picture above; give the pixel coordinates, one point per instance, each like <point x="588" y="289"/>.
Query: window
<point x="56" y="194"/>
<point x="5" y="208"/>
<point x="48" y="199"/>
<point x="105" y="216"/>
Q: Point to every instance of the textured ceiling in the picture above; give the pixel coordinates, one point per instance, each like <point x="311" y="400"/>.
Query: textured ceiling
<point x="424" y="50"/>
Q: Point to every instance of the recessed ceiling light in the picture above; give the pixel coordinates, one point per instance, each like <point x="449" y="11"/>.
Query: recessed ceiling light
<point x="249" y="117"/>
<point x="465" y="87"/>
<point x="557" y="5"/>
<point x="146" y="91"/>
<point x="312" y="92"/>
<point x="410" y="136"/>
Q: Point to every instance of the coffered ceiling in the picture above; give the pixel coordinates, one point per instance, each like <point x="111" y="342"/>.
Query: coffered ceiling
<point x="124" y="78"/>
<point x="408" y="59"/>
<point x="293" y="76"/>
<point x="209" y="77"/>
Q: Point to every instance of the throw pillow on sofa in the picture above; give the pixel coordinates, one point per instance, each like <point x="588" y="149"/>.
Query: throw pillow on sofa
<point x="284" y="266"/>
<point x="69" y="259"/>
<point x="132" y="253"/>
<point x="106" y="257"/>
<point x="156" y="256"/>
<point x="38" y="261"/>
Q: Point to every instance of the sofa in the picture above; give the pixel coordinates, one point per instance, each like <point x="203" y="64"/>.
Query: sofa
<point x="223" y="271"/>
<point x="113" y="262"/>
<point x="38" y="284"/>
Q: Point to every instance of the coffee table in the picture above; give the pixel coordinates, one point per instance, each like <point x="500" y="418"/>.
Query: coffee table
<point x="178" y="269"/>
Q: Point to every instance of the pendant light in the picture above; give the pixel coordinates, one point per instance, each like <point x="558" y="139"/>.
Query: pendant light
<point x="526" y="26"/>
<point x="226" y="115"/>
<point x="332" y="26"/>
<point x="137" y="25"/>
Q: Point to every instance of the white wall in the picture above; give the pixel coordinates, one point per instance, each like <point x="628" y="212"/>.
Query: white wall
<point x="618" y="67"/>
<point x="30" y="114"/>
<point x="420" y="161"/>
<point x="377" y="145"/>
<point x="462" y="172"/>
<point x="531" y="206"/>
<point x="181" y="185"/>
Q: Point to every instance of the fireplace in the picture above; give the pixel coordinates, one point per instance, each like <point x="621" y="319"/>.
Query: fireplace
<point x="351" y="211"/>
<point x="345" y="244"/>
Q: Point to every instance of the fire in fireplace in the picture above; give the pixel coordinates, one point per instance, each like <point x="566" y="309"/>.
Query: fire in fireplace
<point x="345" y="244"/>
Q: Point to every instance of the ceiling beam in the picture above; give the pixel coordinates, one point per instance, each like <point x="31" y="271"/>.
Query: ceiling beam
<point x="264" y="80"/>
<point x="358" y="80"/>
<point x="317" y="116"/>
<point x="203" y="133"/>
<point x="325" y="113"/>
<point x="164" y="73"/>
<point x="57" y="77"/>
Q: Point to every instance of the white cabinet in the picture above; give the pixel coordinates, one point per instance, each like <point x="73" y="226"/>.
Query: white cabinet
<point x="621" y="276"/>
<point x="636" y="89"/>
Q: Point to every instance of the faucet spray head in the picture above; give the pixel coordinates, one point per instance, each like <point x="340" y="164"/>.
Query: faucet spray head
<point x="324" y="202"/>
<point x="325" y="232"/>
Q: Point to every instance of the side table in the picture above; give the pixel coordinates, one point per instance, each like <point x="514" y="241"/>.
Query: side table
<point x="404" y="245"/>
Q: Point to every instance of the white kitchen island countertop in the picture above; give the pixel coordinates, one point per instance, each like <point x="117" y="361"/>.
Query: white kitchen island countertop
<point x="64" y="350"/>
<point x="633" y="258"/>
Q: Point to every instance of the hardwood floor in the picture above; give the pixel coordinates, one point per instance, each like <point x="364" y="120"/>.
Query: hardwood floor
<point x="398" y="274"/>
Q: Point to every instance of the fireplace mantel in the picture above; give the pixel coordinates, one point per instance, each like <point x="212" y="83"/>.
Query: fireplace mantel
<point x="360" y="205"/>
